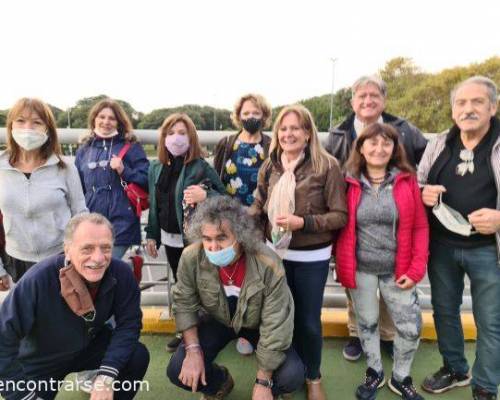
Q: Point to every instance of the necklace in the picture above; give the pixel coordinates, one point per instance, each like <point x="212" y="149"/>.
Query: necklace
<point x="230" y="280"/>
<point x="378" y="179"/>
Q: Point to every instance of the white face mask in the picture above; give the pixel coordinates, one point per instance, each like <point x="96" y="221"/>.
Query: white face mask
<point x="104" y="135"/>
<point x="29" y="139"/>
<point x="452" y="219"/>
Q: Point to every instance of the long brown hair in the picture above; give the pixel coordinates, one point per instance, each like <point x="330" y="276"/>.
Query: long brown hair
<point x="51" y="146"/>
<point x="124" y="125"/>
<point x="195" y="151"/>
<point x="356" y="163"/>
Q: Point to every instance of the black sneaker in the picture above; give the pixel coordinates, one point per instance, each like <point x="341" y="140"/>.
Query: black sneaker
<point x="373" y="382"/>
<point x="478" y="393"/>
<point x="352" y="350"/>
<point x="174" y="343"/>
<point x="405" y="388"/>
<point x="444" y="380"/>
<point x="388" y="347"/>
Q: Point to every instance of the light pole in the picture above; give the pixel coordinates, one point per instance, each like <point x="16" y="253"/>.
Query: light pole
<point x="333" y="60"/>
<point x="69" y="117"/>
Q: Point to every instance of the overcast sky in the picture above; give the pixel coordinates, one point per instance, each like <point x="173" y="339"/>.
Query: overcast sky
<point x="164" y="53"/>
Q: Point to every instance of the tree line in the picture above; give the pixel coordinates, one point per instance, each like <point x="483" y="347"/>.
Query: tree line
<point x="420" y="97"/>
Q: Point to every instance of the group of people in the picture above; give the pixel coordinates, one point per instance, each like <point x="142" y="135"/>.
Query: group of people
<point x="250" y="242"/>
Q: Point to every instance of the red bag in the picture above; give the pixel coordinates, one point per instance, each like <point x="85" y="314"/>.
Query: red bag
<point x="137" y="264"/>
<point x="137" y="196"/>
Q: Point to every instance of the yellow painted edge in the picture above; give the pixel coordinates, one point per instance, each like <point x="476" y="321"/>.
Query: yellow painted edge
<point x="334" y="323"/>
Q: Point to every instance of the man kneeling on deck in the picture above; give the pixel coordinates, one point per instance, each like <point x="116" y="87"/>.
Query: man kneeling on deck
<point x="241" y="285"/>
<point x="53" y="322"/>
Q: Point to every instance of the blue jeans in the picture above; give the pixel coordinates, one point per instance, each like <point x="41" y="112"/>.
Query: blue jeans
<point x="213" y="337"/>
<point x="307" y="283"/>
<point x="447" y="267"/>
<point x="404" y="310"/>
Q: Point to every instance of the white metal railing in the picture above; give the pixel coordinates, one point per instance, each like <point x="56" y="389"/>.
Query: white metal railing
<point x="210" y="139"/>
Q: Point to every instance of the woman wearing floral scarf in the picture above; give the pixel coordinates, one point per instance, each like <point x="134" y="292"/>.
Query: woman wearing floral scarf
<point x="300" y="197"/>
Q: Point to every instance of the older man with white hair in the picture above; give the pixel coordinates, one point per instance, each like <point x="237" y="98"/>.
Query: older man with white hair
<point x="460" y="172"/>
<point x="53" y="322"/>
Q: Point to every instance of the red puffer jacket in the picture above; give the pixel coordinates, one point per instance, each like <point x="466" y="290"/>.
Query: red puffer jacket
<point x="412" y="233"/>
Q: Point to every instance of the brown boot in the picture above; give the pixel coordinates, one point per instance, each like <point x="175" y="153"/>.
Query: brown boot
<point x="315" y="389"/>
<point x="224" y="390"/>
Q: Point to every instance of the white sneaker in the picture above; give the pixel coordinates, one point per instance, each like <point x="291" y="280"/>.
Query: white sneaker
<point x="244" y="347"/>
<point x="85" y="379"/>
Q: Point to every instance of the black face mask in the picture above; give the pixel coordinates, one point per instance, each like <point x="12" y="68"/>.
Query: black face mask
<point x="252" y="125"/>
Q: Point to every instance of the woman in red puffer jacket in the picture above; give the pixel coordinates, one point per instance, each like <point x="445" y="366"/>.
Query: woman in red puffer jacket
<point x="384" y="249"/>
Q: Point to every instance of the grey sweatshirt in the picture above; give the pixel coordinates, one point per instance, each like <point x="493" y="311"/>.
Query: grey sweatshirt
<point x="37" y="210"/>
<point x="376" y="225"/>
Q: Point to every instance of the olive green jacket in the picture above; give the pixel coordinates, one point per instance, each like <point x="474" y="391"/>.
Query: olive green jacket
<point x="265" y="301"/>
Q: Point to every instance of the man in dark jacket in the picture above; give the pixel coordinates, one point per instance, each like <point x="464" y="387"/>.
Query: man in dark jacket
<point x="368" y="103"/>
<point x="53" y="322"/>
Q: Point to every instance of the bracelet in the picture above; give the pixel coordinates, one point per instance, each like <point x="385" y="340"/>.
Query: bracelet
<point x="192" y="346"/>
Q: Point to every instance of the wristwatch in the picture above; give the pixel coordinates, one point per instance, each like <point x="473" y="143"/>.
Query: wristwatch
<point x="268" y="383"/>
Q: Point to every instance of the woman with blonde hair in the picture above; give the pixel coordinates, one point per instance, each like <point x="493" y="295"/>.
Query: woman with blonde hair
<point x="238" y="157"/>
<point x="178" y="180"/>
<point x="301" y="199"/>
<point x="102" y="171"/>
<point x="40" y="189"/>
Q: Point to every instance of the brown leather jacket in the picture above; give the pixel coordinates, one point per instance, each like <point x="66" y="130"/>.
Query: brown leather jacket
<point x="320" y="198"/>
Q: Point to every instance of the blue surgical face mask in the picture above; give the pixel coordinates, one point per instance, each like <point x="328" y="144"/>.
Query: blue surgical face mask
<point x="221" y="258"/>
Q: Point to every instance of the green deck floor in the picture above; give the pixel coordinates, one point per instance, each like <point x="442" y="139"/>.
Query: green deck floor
<point x="340" y="377"/>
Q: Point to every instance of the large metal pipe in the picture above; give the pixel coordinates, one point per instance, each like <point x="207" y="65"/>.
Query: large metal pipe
<point x="150" y="136"/>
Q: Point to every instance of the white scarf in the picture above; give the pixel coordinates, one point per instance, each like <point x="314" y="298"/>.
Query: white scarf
<point x="282" y="202"/>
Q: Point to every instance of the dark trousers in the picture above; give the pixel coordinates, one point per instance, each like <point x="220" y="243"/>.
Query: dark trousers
<point x="16" y="268"/>
<point x="307" y="282"/>
<point x="173" y="257"/>
<point x="213" y="337"/>
<point x="90" y="358"/>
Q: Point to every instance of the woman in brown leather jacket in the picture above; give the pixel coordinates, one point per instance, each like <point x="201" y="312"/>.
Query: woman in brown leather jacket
<point x="301" y="199"/>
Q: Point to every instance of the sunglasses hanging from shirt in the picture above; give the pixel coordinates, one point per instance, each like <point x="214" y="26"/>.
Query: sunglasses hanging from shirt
<point x="102" y="163"/>
<point x="451" y="219"/>
<point x="467" y="164"/>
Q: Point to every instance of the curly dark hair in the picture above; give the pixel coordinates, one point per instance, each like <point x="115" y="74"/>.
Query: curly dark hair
<point x="218" y="209"/>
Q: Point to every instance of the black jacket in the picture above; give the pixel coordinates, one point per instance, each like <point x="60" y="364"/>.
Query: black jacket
<point x="40" y="335"/>
<point x="340" y="139"/>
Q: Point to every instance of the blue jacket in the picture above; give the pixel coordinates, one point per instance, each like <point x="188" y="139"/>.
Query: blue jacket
<point x="40" y="335"/>
<point x="102" y="188"/>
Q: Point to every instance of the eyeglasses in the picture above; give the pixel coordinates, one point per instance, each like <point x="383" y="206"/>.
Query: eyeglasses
<point x="95" y="164"/>
<point x="467" y="164"/>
